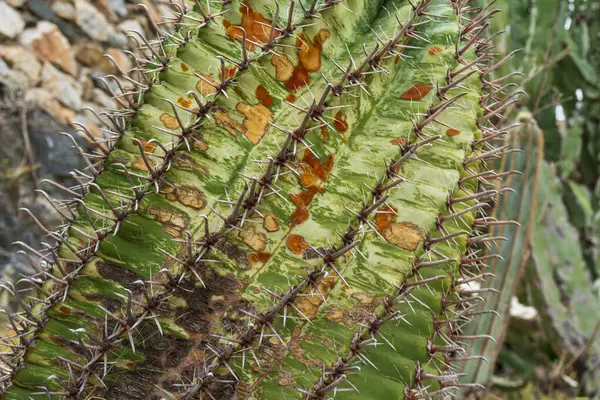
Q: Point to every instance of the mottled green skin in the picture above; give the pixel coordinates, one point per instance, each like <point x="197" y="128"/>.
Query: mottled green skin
<point x="259" y="257"/>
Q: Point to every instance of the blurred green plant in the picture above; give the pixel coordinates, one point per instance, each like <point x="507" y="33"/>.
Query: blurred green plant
<point x="559" y="69"/>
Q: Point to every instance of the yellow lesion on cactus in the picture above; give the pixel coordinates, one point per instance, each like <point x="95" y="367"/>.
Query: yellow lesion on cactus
<point x="255" y="239"/>
<point x="223" y="120"/>
<point x="270" y="222"/>
<point x="256" y="121"/>
<point x="169" y="121"/>
<point x="186" y="195"/>
<point x="284" y="67"/>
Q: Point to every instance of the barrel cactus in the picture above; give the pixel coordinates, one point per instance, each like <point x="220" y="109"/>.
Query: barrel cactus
<point x="291" y="204"/>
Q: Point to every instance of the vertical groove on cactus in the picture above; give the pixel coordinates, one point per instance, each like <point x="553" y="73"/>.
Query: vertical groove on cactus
<point x="270" y="222"/>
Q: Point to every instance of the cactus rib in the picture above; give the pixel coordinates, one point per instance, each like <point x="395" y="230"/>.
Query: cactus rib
<point x="148" y="297"/>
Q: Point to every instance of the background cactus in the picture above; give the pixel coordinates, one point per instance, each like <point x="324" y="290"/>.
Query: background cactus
<point x="557" y="351"/>
<point x="290" y="205"/>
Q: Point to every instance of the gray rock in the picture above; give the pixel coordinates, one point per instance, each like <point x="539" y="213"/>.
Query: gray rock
<point x="93" y="22"/>
<point x="22" y="61"/>
<point x="42" y="10"/>
<point x="62" y="86"/>
<point x="12" y="23"/>
<point x="56" y="158"/>
<point x="118" y="7"/>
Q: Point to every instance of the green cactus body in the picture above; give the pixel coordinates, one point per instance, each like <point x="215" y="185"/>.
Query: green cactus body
<point x="271" y="222"/>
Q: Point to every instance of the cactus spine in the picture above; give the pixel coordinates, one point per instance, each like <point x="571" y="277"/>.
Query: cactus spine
<point x="288" y="206"/>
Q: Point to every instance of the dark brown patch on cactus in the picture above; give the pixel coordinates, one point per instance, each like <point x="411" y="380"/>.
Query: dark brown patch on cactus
<point x="178" y="351"/>
<point x="111" y="305"/>
<point x="198" y="314"/>
<point x="117" y="273"/>
<point x="309" y="59"/>
<point x="235" y="253"/>
<point x="263" y="95"/>
<point x="291" y="98"/>
<point x="417" y="92"/>
<point x="256" y="26"/>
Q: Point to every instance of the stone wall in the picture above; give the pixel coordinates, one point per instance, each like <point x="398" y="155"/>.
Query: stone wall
<point x="51" y="56"/>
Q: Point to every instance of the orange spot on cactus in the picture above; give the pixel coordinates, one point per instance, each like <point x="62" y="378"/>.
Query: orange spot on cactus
<point x="184" y="102"/>
<point x="229" y="72"/>
<point x="341" y="125"/>
<point x="263" y="95"/>
<point x="302" y="200"/>
<point x="325" y="133"/>
<point x="260" y="256"/>
<point x="291" y="98"/>
<point x="403" y="234"/>
<point x="309" y="59"/>
<point x="147" y="145"/>
<point x="65" y="310"/>
<point x="399" y="142"/>
<point x="296" y="244"/>
<point x="130" y="365"/>
<point x="206" y="86"/>
<point x="306" y="197"/>
<point x="319" y="169"/>
<point x="240" y="92"/>
<point x="417" y="92"/>
<point x="300" y="215"/>
<point x="257" y="27"/>
<point x="184" y="67"/>
<point x="452" y="132"/>
<point x="397" y="60"/>
<point x="385" y="218"/>
<point x="169" y="121"/>
<point x="435" y="50"/>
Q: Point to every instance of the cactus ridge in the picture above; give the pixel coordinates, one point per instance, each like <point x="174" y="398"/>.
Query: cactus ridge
<point x="256" y="299"/>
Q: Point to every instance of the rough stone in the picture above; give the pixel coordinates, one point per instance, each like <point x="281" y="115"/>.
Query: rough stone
<point x="16" y="3"/>
<point x="64" y="9"/>
<point x="131" y="25"/>
<point x="103" y="99"/>
<point x="114" y="8"/>
<point x="120" y="58"/>
<point x="93" y="22"/>
<point x="42" y="10"/>
<point x="19" y="59"/>
<point x="89" y="53"/>
<point x="63" y="87"/>
<point x="44" y="100"/>
<point x="12" y="23"/>
<point x="48" y="44"/>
